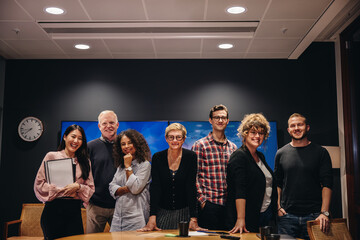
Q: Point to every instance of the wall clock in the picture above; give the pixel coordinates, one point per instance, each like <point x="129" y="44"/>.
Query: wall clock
<point x="30" y="129"/>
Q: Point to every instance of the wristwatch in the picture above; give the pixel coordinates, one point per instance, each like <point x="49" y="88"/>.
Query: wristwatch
<point x="326" y="213"/>
<point x="128" y="169"/>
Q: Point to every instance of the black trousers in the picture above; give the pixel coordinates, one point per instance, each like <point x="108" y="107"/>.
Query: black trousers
<point x="61" y="218"/>
<point x="212" y="216"/>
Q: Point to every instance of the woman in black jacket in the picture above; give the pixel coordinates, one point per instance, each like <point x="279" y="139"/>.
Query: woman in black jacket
<point x="252" y="196"/>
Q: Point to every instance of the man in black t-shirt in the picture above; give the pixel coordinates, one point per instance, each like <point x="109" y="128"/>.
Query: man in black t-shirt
<point x="304" y="178"/>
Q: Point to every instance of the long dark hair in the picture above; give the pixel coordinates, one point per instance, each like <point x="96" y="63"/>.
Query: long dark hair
<point x="82" y="153"/>
<point x="142" y="152"/>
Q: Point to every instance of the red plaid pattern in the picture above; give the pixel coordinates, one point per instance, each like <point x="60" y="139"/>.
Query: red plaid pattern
<point x="212" y="162"/>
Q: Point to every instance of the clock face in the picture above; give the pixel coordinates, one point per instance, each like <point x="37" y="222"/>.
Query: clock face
<point x="30" y="129"/>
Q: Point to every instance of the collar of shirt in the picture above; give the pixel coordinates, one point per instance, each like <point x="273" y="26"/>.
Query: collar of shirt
<point x="63" y="153"/>
<point x="211" y="139"/>
<point x="134" y="162"/>
<point x="105" y="140"/>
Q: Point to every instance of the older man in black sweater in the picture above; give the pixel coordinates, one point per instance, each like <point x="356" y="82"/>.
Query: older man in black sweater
<point x="101" y="207"/>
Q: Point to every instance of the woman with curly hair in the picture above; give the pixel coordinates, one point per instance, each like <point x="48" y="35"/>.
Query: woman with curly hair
<point x="130" y="185"/>
<point x="173" y="189"/>
<point x="252" y="196"/>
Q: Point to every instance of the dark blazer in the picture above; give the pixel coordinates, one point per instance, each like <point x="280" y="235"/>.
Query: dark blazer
<point x="245" y="180"/>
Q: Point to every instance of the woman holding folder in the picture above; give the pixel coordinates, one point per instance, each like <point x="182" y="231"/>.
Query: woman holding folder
<point x="61" y="216"/>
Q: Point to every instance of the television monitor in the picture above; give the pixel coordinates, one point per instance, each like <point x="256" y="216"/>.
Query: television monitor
<point x="154" y="132"/>
<point x="200" y="129"/>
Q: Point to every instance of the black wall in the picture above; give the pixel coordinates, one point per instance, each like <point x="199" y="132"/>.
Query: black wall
<point x="55" y="90"/>
<point x="2" y="83"/>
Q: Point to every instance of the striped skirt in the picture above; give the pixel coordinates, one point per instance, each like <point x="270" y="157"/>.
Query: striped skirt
<point x="169" y="219"/>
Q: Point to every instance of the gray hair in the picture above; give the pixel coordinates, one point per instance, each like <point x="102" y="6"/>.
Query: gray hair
<point x="105" y="112"/>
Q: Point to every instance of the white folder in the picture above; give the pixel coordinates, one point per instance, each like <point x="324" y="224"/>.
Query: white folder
<point x="60" y="172"/>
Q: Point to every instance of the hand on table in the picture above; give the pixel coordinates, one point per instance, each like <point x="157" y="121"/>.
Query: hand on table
<point x="193" y="225"/>
<point x="150" y="226"/>
<point x="239" y="227"/>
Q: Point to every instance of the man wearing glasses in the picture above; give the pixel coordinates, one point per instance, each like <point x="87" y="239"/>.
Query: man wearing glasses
<point x="101" y="205"/>
<point x="213" y="152"/>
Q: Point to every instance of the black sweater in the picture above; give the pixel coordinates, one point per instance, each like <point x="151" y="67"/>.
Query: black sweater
<point x="301" y="172"/>
<point x="103" y="170"/>
<point x="172" y="195"/>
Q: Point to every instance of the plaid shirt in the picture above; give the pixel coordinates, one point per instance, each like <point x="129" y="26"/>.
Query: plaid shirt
<point x="212" y="162"/>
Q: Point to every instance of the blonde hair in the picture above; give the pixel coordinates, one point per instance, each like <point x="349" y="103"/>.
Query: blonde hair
<point x="175" y="126"/>
<point x="255" y="121"/>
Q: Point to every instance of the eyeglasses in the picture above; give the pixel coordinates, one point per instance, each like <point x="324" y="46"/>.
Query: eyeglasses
<point x="104" y="124"/>
<point x="218" y="118"/>
<point x="254" y="133"/>
<point x="172" y="137"/>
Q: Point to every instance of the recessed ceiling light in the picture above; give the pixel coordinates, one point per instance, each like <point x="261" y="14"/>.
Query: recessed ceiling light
<point x="82" y="46"/>
<point x="225" y="46"/>
<point x="54" y="10"/>
<point x="236" y="10"/>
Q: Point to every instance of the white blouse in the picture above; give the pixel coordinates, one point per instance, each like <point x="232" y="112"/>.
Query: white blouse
<point x="268" y="188"/>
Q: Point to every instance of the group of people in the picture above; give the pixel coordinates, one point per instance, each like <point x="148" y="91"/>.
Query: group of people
<point x="212" y="186"/>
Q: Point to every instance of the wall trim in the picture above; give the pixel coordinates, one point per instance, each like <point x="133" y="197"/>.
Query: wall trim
<point x="341" y="128"/>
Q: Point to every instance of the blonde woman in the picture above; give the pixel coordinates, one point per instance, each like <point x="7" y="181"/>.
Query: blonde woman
<point x="173" y="189"/>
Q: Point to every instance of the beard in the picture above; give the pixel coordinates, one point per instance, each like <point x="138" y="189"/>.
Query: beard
<point x="301" y="137"/>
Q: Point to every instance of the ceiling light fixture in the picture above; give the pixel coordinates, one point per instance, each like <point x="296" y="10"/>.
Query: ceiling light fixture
<point x="154" y="30"/>
<point x="225" y="46"/>
<point x="236" y="10"/>
<point x="54" y="10"/>
<point x="82" y="46"/>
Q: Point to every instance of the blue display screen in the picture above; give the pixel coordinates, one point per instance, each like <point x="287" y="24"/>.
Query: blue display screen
<point x="154" y="133"/>
<point x="197" y="130"/>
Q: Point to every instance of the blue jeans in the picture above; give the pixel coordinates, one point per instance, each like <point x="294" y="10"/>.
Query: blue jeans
<point x="294" y="225"/>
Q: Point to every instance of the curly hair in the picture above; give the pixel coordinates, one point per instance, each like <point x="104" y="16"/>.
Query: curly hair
<point x="255" y="121"/>
<point x="82" y="153"/>
<point x="142" y="150"/>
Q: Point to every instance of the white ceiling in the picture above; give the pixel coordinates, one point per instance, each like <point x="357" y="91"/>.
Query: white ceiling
<point x="156" y="29"/>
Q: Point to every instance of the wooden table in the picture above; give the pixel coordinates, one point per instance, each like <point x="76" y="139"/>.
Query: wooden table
<point x="158" y="235"/>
